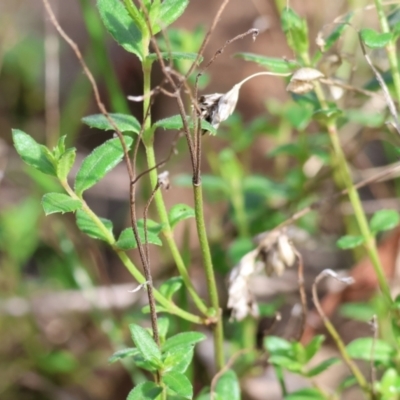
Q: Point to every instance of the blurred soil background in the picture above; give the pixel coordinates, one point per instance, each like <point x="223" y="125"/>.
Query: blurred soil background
<point x="60" y="291"/>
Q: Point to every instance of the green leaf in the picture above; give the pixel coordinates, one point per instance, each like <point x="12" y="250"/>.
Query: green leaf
<point x="367" y="348"/>
<point x="324" y="365"/>
<point x="374" y="39"/>
<point x="127" y="239"/>
<point x="124" y="122"/>
<point x="305" y="394"/>
<point x="384" y="220"/>
<point x="145" y="344"/>
<point x="312" y="348"/>
<point x="120" y="354"/>
<point x="59" y="202"/>
<point x="163" y="325"/>
<point x="171" y="10"/>
<point x="121" y="26"/>
<point x="33" y="153"/>
<point x="60" y="148"/>
<point x="296" y="30"/>
<point x="276" y="345"/>
<point x="357" y="311"/>
<point x="178" y="359"/>
<point x="182" y="339"/>
<point x="178" y="383"/>
<point x="285" y="362"/>
<point x="175" y="122"/>
<point x="370" y="119"/>
<point x="100" y="161"/>
<point x="349" y="242"/>
<point x="277" y="65"/>
<point x="65" y="163"/>
<point x="179" y="212"/>
<point x="88" y="226"/>
<point x="170" y="286"/>
<point x="145" y="391"/>
<point x="175" y="55"/>
<point x="227" y="386"/>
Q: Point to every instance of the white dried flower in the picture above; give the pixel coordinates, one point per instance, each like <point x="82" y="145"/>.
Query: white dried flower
<point x="241" y="300"/>
<point x="163" y="180"/>
<point x="302" y="80"/>
<point x="217" y="107"/>
<point x="285" y="250"/>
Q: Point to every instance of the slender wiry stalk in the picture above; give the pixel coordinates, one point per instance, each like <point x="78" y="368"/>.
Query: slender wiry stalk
<point x="334" y="333"/>
<point x="390" y="48"/>
<point x="159" y="201"/>
<point x="210" y="277"/>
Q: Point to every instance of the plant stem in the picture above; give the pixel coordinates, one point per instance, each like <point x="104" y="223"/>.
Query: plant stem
<point x="390" y="48"/>
<point x="210" y="277"/>
<point x="159" y="201"/>
<point x="168" y="305"/>
<point x="344" y="172"/>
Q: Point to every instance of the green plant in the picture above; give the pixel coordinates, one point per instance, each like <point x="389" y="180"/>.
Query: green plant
<point x="168" y="358"/>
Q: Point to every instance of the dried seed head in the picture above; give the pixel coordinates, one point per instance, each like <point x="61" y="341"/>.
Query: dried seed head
<point x="241" y="300"/>
<point x="217" y="107"/>
<point x="285" y="250"/>
<point x="302" y="80"/>
<point x="274" y="264"/>
<point x="306" y="74"/>
<point x="163" y="180"/>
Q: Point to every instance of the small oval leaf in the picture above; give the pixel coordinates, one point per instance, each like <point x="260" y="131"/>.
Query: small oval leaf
<point x="100" y="161"/>
<point x="33" y="153"/>
<point x="124" y="122"/>
<point x="179" y="212"/>
<point x="374" y="39"/>
<point x="384" y="220"/>
<point x="59" y="202"/>
<point x="349" y="242"/>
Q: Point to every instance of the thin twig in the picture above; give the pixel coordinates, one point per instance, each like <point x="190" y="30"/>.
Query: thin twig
<point x="207" y="38"/>
<point x="332" y="330"/>
<point x="145" y="212"/>
<point x="302" y="291"/>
